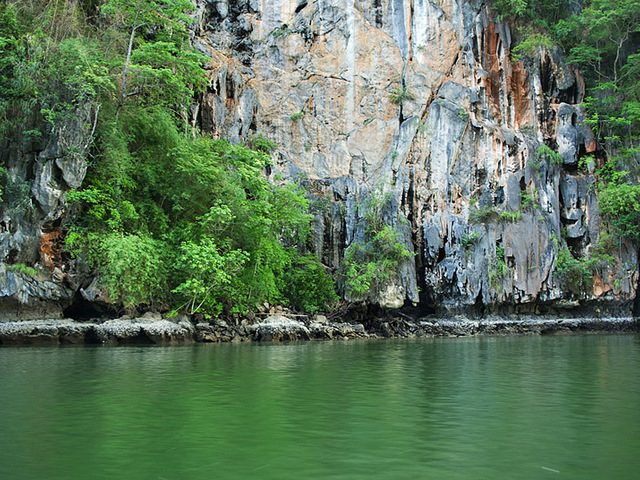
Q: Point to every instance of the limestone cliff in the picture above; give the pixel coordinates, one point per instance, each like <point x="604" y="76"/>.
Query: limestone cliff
<point x="419" y="100"/>
<point x="38" y="173"/>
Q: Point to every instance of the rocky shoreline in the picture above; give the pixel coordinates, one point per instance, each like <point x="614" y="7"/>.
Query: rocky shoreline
<point x="152" y="329"/>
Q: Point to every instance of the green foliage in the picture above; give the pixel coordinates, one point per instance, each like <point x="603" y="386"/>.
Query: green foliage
<point x="534" y="164"/>
<point x="529" y="200"/>
<point x="166" y="217"/>
<point x="620" y="205"/>
<point x="281" y="31"/>
<point x="3" y="178"/>
<point x="575" y="276"/>
<point x="307" y="285"/>
<point x="228" y="235"/>
<point x="22" y="269"/>
<point x="401" y="94"/>
<point x="470" y="239"/>
<point x="297" y="116"/>
<point x="16" y="196"/>
<point x="131" y="268"/>
<point x="546" y="153"/>
<point x="531" y="44"/>
<point x="262" y="144"/>
<point x="511" y="8"/>
<point x="483" y="214"/>
<point x="370" y="264"/>
<point x="586" y="163"/>
<point x="498" y="270"/>
<point x="209" y="275"/>
<point x="511" y="216"/>
<point x="158" y="65"/>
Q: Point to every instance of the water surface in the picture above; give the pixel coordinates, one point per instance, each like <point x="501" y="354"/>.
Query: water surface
<point x="479" y="408"/>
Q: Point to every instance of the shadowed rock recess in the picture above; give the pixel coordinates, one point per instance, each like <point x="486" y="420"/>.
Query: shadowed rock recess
<point x="414" y="102"/>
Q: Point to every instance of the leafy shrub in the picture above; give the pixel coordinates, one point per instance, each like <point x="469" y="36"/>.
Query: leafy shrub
<point x="511" y="216"/>
<point x="368" y="266"/>
<point x="498" y="269"/>
<point x="23" y="269"/>
<point x="208" y="275"/>
<point x="483" y="214"/>
<point x="529" y="200"/>
<point x="132" y="269"/>
<point x="469" y="239"/>
<point x="546" y="153"/>
<point x="620" y="206"/>
<point x="586" y="163"/>
<point x="401" y="94"/>
<point x="531" y="44"/>
<point x="262" y="144"/>
<point x="574" y="275"/>
<point x="307" y="285"/>
<point x="534" y="164"/>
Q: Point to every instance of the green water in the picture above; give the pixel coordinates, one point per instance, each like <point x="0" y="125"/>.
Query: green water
<point x="483" y="408"/>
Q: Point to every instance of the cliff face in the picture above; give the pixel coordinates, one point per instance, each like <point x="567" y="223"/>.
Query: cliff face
<point x="418" y="101"/>
<point x="422" y="101"/>
<point x="38" y="173"/>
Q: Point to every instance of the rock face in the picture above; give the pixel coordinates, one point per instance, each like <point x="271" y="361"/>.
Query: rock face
<point x="417" y="102"/>
<point x="39" y="171"/>
<point x="420" y="101"/>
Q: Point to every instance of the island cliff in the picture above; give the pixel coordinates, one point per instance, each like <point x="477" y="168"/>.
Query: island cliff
<point x="414" y="110"/>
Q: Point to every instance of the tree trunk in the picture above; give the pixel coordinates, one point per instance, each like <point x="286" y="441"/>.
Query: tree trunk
<point x="127" y="62"/>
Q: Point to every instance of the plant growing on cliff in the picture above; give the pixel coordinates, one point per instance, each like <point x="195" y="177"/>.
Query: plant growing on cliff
<point x="23" y="269"/>
<point x="529" y="199"/>
<point x="401" y="94"/>
<point x="470" y="239"/>
<point x="512" y="216"/>
<point x="483" y="214"/>
<point x="281" y="31"/>
<point x="371" y="263"/>
<point x="574" y="275"/>
<point x="262" y="144"/>
<point x="368" y="266"/>
<point x="227" y="235"/>
<point x="547" y="154"/>
<point x="296" y="116"/>
<point x="532" y="43"/>
<point x="620" y="206"/>
<point x="3" y="177"/>
<point x="498" y="268"/>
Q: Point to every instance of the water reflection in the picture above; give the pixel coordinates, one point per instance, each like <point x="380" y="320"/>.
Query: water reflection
<point x="524" y="407"/>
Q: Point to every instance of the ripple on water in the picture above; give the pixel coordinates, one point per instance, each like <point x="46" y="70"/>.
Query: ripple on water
<point x="522" y="407"/>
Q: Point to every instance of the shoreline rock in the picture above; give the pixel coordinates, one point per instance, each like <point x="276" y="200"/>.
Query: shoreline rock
<point x="154" y="330"/>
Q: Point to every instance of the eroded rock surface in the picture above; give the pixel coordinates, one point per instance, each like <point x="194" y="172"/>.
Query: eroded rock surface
<point x="420" y="100"/>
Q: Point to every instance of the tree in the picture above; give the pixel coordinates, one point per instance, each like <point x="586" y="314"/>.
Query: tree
<point x="165" y="18"/>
